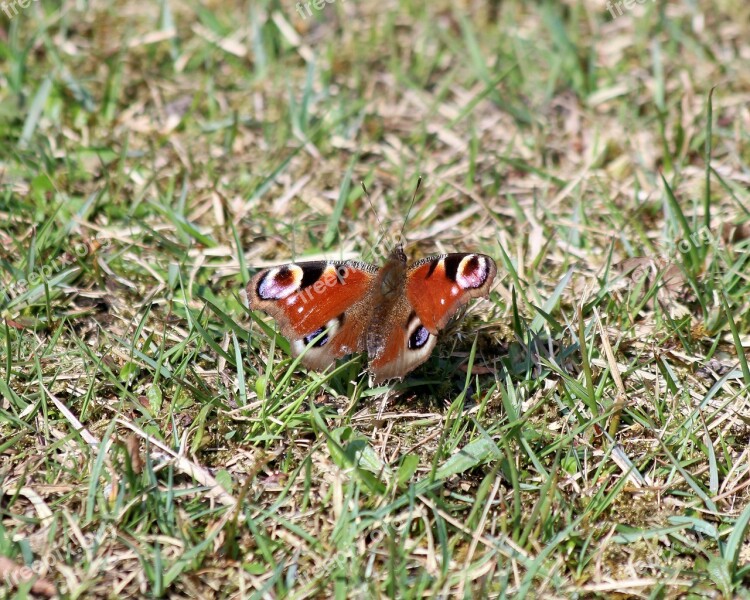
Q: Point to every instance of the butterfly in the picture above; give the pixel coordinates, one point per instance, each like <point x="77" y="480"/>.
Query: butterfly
<point x="329" y="309"/>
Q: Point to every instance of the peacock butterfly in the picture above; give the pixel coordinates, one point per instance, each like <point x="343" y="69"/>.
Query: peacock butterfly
<point x="329" y="309"/>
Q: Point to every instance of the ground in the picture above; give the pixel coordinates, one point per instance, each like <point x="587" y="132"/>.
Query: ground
<point x="583" y="432"/>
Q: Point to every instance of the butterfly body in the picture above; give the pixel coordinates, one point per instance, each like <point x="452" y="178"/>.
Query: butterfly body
<point x="393" y="313"/>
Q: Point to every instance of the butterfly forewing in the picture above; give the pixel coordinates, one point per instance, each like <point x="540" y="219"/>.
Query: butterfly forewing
<point x="437" y="286"/>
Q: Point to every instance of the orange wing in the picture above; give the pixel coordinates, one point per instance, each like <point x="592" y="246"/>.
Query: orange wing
<point x="398" y="344"/>
<point x="324" y="300"/>
<point x="438" y="286"/>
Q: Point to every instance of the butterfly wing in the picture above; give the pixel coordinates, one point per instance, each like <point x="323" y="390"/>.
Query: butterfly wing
<point x="329" y="301"/>
<point x="332" y="309"/>
<point x="398" y="343"/>
<point x="437" y="286"/>
<point x="404" y="336"/>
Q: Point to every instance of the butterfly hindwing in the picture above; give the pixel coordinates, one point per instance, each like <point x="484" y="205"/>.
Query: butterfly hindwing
<point x="437" y="286"/>
<point x="398" y="344"/>
<point x="308" y="299"/>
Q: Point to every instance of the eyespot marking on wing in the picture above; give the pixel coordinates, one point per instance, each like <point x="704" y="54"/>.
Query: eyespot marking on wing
<point x="321" y="342"/>
<point x="418" y="338"/>
<point x="472" y="271"/>
<point x="418" y="334"/>
<point x="330" y="330"/>
<point x="280" y="282"/>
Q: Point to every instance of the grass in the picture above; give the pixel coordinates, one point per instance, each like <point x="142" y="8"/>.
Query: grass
<point x="582" y="433"/>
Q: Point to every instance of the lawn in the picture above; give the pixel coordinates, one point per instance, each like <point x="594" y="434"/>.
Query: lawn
<point x="581" y="433"/>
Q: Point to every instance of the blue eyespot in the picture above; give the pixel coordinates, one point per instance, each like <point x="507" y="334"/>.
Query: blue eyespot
<point x="321" y="342"/>
<point x="418" y="338"/>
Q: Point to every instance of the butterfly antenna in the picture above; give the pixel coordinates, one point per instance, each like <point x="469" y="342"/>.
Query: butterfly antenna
<point x="408" y="212"/>
<point x="380" y="223"/>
